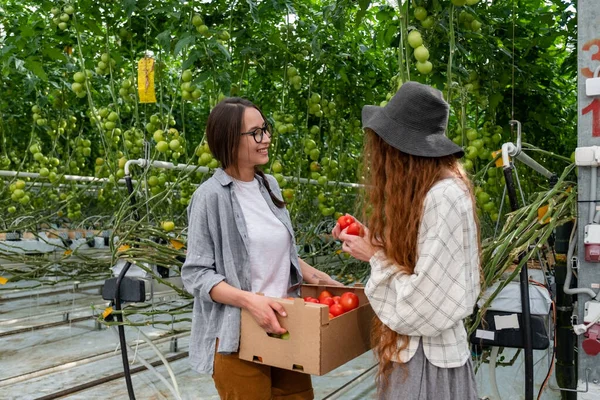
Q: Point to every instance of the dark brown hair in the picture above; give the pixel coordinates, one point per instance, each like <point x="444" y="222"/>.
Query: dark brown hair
<point x="397" y="186"/>
<point x="223" y="129"/>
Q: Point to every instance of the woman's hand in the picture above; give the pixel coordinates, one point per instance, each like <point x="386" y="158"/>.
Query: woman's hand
<point x="358" y="247"/>
<point x="314" y="276"/>
<point x="263" y="311"/>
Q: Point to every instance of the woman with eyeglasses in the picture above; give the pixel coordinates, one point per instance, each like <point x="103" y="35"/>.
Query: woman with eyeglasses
<point x="240" y="243"/>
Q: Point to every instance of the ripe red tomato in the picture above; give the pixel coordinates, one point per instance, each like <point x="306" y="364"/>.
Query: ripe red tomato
<point x="354" y="229"/>
<point x="331" y="316"/>
<point x="324" y="294"/>
<point x="345" y="221"/>
<point x="309" y="299"/>
<point x="336" y="299"/>
<point x="349" y="301"/>
<point x="327" y="300"/>
<point x="336" y="310"/>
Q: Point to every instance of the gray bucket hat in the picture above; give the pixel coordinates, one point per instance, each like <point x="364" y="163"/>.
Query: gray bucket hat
<point x="413" y="121"/>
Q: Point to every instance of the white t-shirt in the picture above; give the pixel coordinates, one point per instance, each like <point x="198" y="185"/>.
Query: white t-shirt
<point x="269" y="242"/>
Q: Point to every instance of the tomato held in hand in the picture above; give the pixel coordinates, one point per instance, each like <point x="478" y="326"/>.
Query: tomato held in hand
<point x="349" y="301"/>
<point x="345" y="221"/>
<point x="354" y="229"/>
<point x="324" y="294"/>
<point x="336" y="310"/>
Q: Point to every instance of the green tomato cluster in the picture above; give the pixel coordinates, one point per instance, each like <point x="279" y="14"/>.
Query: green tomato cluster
<point x="420" y="52"/>
<point x="127" y="90"/>
<point x="188" y="89"/>
<point x="201" y="28"/>
<point x="468" y="21"/>
<point x="421" y="14"/>
<point x="61" y="18"/>
<point x="106" y="64"/>
<point x="283" y="123"/>
<point x="205" y="157"/>
<point x="79" y="83"/>
<point x="294" y="78"/>
<point x="38" y="119"/>
<point x="18" y="192"/>
<point x="134" y="142"/>
<point x="46" y="166"/>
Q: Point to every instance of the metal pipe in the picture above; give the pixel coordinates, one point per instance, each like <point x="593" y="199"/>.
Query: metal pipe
<point x="76" y="178"/>
<point x="142" y="162"/>
<point x="518" y="124"/>
<point x="524" y="286"/>
<point x="531" y="163"/>
<point x="593" y="181"/>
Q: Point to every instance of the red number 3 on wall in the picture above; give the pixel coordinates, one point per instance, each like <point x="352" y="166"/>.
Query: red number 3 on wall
<point x="594" y="106"/>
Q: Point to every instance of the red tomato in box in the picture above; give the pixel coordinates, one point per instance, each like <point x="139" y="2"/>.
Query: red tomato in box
<point x="349" y="301"/>
<point x="327" y="300"/>
<point x="345" y="221"/>
<point x="309" y="299"/>
<point x="324" y="294"/>
<point x="336" y="310"/>
<point x="336" y="299"/>
<point x="354" y="229"/>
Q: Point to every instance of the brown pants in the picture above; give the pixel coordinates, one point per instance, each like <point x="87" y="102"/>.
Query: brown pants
<point x="237" y="379"/>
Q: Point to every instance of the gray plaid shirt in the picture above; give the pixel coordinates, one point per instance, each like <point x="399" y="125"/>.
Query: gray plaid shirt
<point x="430" y="304"/>
<point x="218" y="250"/>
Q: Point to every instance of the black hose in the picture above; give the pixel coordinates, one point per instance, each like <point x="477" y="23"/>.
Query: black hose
<point x="524" y="286"/>
<point x="117" y="301"/>
<point x="121" y="330"/>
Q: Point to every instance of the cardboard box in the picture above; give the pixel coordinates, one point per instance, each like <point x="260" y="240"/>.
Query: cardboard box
<point x="316" y="344"/>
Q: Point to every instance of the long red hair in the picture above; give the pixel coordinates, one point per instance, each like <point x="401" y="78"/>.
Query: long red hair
<point x="396" y="186"/>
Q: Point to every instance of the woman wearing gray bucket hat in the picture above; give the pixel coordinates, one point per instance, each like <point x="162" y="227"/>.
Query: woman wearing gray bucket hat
<point x="422" y="243"/>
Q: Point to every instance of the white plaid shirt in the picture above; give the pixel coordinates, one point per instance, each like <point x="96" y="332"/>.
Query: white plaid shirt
<point x="432" y="303"/>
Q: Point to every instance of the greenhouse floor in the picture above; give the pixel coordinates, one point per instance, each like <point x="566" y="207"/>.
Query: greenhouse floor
<point x="53" y="348"/>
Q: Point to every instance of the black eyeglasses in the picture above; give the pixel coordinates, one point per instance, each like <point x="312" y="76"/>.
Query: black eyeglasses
<point x="258" y="133"/>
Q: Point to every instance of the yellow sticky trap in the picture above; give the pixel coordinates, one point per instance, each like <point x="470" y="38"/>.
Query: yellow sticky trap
<point x="123" y="247"/>
<point x="541" y="213"/>
<point x="107" y="312"/>
<point x="146" y="80"/>
<point x="68" y="252"/>
<point x="499" y="160"/>
<point x="3" y="280"/>
<point x="176" y="244"/>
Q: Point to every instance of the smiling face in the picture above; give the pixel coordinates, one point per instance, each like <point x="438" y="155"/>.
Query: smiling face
<point x="250" y="153"/>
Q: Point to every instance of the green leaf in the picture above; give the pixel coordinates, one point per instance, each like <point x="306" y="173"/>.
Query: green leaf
<point x="53" y="53"/>
<point x="27" y="31"/>
<point x="129" y="6"/>
<point x="364" y="5"/>
<point x="253" y="10"/>
<point x="184" y="41"/>
<point x="94" y="27"/>
<point x="192" y="58"/>
<point x="223" y="50"/>
<point x="37" y="69"/>
<point x="164" y="40"/>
